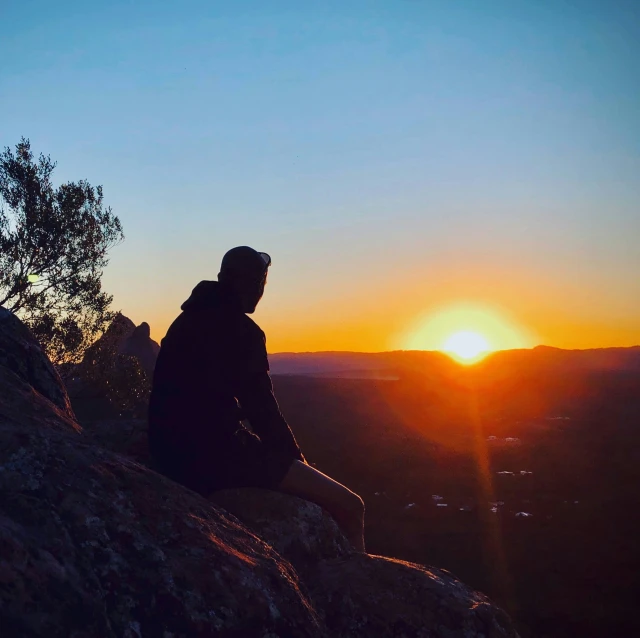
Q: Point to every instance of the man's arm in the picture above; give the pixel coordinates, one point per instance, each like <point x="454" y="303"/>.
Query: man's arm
<point x="259" y="405"/>
<point x="254" y="391"/>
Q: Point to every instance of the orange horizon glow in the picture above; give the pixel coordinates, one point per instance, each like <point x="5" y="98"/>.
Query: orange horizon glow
<point x="406" y="302"/>
<point x="399" y="319"/>
<point x="356" y="335"/>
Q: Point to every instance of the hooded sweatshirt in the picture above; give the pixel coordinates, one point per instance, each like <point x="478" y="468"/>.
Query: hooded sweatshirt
<point x="212" y="371"/>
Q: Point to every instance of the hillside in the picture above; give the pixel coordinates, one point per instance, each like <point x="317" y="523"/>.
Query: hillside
<point x="519" y="475"/>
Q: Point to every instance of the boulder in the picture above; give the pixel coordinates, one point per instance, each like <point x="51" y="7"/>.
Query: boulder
<point x="96" y="544"/>
<point x="362" y="594"/>
<point x="21" y="355"/>
<point x="124" y="436"/>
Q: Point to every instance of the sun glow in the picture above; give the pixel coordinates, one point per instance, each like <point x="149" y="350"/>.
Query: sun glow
<point x="466" y="332"/>
<point x="466" y="346"/>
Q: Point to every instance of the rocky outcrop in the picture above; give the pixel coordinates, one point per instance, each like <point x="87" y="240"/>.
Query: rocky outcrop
<point x="114" y="377"/>
<point x="361" y="594"/>
<point x="141" y="346"/>
<point x="96" y="544"/>
<point x="21" y="355"/>
<point x="118" y="331"/>
<point x="101" y="355"/>
<point x="123" y="337"/>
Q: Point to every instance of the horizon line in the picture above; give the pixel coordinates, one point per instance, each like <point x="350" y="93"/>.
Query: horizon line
<point x="443" y="352"/>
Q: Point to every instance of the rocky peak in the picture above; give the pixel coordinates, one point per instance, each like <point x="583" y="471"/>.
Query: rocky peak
<point x="122" y="336"/>
<point x="140" y="345"/>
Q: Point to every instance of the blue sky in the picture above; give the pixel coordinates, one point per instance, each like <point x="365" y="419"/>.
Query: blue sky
<point x="370" y="147"/>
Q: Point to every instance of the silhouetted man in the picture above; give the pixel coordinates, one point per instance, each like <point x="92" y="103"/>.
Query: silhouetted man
<point x="212" y="373"/>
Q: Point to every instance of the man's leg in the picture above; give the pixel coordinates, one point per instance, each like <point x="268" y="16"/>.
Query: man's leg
<point x="346" y="507"/>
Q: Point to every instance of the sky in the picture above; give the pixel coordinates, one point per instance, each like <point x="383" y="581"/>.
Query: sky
<point x="404" y="162"/>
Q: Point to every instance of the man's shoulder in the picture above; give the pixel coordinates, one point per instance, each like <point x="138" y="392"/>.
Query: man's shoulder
<point x="235" y="325"/>
<point x="212" y="326"/>
<point x="252" y="329"/>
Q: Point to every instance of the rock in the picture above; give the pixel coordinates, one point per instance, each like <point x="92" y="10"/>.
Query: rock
<point x="99" y="357"/>
<point x="124" y="337"/>
<point x="21" y="354"/>
<point x="297" y="529"/>
<point x="115" y="374"/>
<point x="95" y="544"/>
<point x="361" y="594"/>
<point x="124" y="436"/>
<point x="119" y="330"/>
<point x="377" y="596"/>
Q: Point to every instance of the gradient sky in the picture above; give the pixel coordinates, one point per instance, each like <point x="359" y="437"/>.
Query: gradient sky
<point x="393" y="157"/>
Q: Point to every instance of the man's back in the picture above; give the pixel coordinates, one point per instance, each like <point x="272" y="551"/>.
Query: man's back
<point x="205" y="353"/>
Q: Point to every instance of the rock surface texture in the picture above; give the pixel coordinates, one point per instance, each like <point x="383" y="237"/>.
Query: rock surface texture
<point x="93" y="543"/>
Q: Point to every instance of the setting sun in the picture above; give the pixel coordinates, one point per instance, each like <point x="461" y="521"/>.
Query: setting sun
<point x="466" y="331"/>
<point x="466" y="346"/>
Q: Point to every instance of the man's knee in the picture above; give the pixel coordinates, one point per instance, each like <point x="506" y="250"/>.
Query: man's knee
<point x="353" y="504"/>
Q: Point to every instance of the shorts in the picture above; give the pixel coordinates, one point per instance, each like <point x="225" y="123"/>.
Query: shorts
<point x="242" y="460"/>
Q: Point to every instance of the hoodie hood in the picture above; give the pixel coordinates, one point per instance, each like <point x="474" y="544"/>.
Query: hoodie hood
<point x="211" y="294"/>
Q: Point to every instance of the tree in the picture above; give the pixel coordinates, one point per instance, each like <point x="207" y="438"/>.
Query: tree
<point x="53" y="247"/>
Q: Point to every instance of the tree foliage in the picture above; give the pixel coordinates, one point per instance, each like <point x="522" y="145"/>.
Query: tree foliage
<point x="53" y="247"/>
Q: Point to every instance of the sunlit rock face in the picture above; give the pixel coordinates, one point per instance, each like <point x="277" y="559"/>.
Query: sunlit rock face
<point x="96" y="544"/>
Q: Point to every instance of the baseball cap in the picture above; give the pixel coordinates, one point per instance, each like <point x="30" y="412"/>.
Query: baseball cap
<point x="245" y="261"/>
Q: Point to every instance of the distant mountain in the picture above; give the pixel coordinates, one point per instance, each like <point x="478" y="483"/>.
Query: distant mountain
<point x="326" y="363"/>
<point x="592" y="359"/>
<point x="391" y="364"/>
